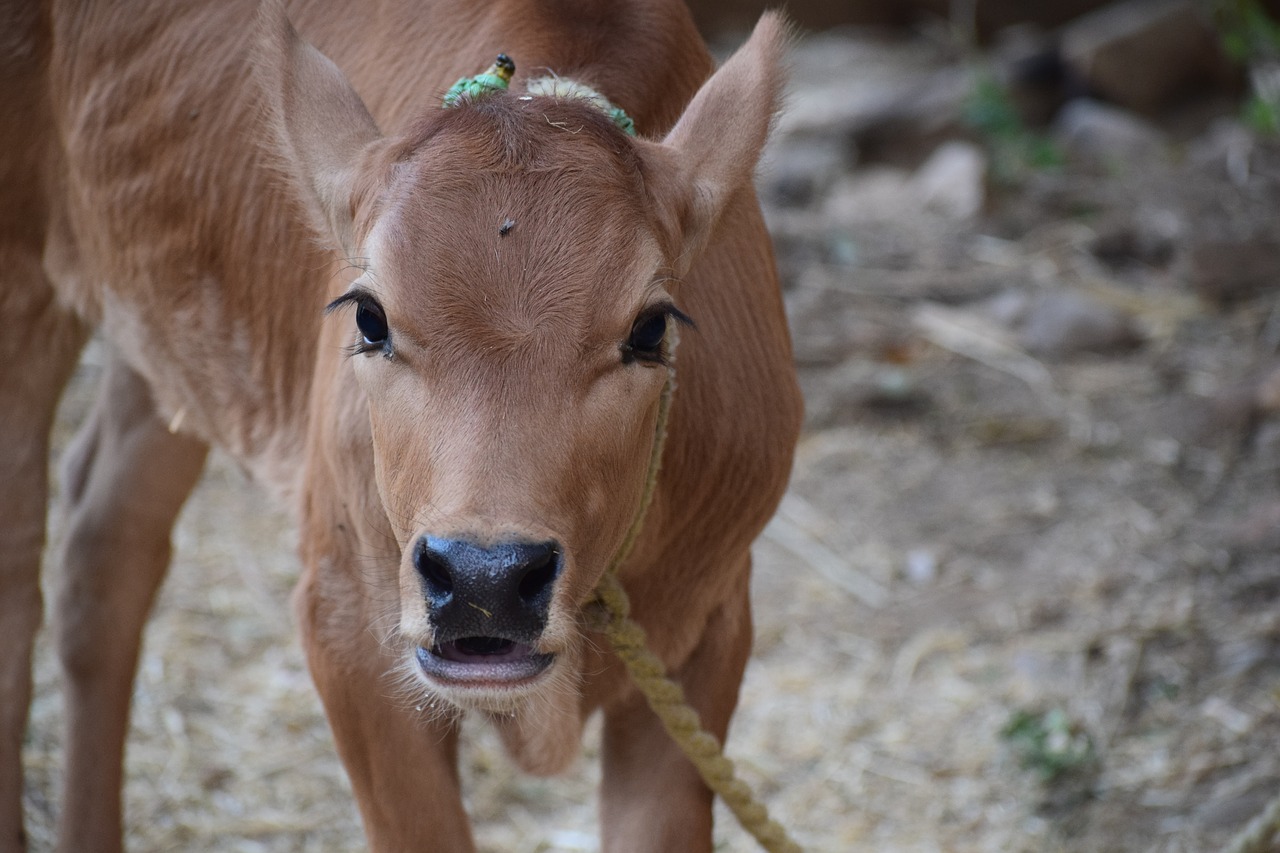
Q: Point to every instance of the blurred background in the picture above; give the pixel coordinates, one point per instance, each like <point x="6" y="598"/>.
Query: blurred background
<point x="1022" y="593"/>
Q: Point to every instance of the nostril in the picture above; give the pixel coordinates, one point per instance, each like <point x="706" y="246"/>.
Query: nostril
<point x="434" y="570"/>
<point x="539" y="575"/>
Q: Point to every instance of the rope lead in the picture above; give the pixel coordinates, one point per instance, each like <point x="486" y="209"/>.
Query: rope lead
<point x="664" y="695"/>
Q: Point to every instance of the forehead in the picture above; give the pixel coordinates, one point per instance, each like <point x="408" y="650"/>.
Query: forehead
<point x="534" y="204"/>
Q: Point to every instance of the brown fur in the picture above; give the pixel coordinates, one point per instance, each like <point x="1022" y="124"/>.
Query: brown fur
<point x="201" y="213"/>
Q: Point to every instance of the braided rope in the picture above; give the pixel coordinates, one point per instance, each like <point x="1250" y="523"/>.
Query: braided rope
<point x="665" y="697"/>
<point x="1258" y="836"/>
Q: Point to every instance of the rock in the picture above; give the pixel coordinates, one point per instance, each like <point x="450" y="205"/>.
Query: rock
<point x="844" y="84"/>
<point x="1226" y="148"/>
<point x="881" y="191"/>
<point x="714" y="16"/>
<point x="953" y="180"/>
<point x="1061" y="323"/>
<point x="1267" y="392"/>
<point x="950" y="183"/>
<point x="1235" y="810"/>
<point x="1145" y="54"/>
<point x="891" y="392"/>
<point x="910" y="121"/>
<point x="991" y="16"/>
<point x="921" y="566"/>
<point x="1028" y="65"/>
<point x="1065" y="323"/>
<point x="1214" y="423"/>
<point x="1089" y="128"/>
<point x="858" y="390"/>
<point x="1147" y="236"/>
<point x="837" y="328"/>
<point x="1258" y="531"/>
<point x="1227" y="270"/>
<point x="1008" y="308"/>
<point x="1223" y="417"/>
<point x="795" y="172"/>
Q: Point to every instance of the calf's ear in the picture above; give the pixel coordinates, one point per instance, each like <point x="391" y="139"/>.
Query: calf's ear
<point x="321" y="132"/>
<point x="715" y="146"/>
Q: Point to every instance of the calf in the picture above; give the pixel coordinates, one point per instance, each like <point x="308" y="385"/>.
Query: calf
<point x="463" y="434"/>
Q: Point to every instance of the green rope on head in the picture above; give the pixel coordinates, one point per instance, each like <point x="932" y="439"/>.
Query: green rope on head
<point x="495" y="78"/>
<point x="619" y="117"/>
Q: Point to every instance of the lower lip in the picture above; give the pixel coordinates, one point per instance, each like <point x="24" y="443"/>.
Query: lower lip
<point x="506" y="670"/>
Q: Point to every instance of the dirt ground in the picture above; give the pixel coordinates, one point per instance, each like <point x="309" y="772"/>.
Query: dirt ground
<point x="1021" y="595"/>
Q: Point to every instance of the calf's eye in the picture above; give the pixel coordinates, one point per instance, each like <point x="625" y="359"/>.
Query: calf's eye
<point x="372" y="324"/>
<point x="647" y="336"/>
<point x="371" y="320"/>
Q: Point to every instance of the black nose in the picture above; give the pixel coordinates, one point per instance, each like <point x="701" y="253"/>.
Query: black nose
<point x="500" y="591"/>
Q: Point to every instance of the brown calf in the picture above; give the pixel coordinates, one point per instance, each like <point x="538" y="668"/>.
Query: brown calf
<point x="464" y="439"/>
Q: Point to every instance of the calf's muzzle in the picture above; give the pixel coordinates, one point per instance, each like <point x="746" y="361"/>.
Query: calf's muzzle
<point x="482" y="597"/>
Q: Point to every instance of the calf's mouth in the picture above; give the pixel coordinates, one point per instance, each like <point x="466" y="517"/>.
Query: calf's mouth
<point x="482" y="661"/>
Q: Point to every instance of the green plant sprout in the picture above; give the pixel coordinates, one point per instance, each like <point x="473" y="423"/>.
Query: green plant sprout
<point x="1015" y="149"/>
<point x="1048" y="743"/>
<point x="1250" y="37"/>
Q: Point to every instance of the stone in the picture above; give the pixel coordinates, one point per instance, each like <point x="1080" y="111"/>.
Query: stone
<point x="1267" y="391"/>
<point x="1226" y="149"/>
<point x="921" y="566"/>
<point x="1257" y="531"/>
<point x="1234" y="810"/>
<point x="1028" y="65"/>
<point x="837" y="328"/>
<point x="796" y="172"/>
<point x="1091" y="129"/>
<point x="1217" y="422"/>
<point x="1146" y="236"/>
<point x="880" y="191"/>
<point x="714" y="16"/>
<point x="1008" y="308"/>
<point x="1145" y="54"/>
<point x="912" y="119"/>
<point x="952" y="181"/>
<point x="1065" y="323"/>
<point x="1061" y="323"/>
<point x="1227" y="270"/>
<point x="844" y="83"/>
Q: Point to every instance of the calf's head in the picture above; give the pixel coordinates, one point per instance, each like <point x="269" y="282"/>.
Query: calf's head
<point x="511" y="329"/>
